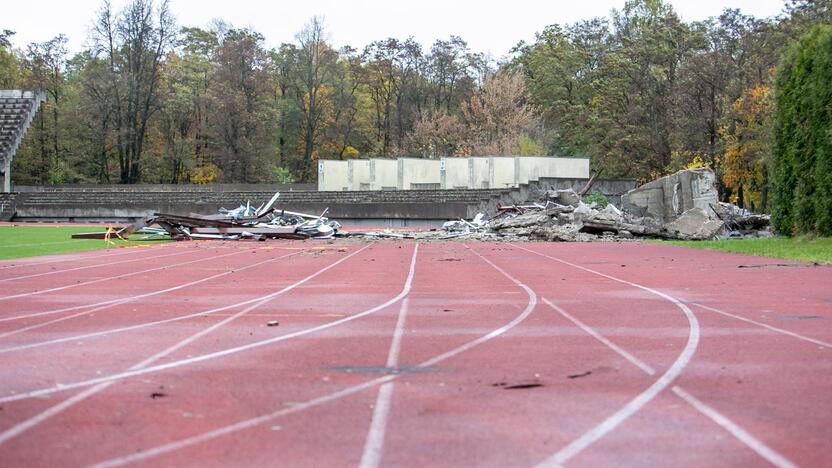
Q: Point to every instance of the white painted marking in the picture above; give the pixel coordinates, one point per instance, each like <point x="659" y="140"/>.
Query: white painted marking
<point x="634" y="360"/>
<point x="762" y="449"/>
<point x="374" y="445"/>
<point x="99" y="280"/>
<point x="86" y="267"/>
<point x="106" y="304"/>
<point x="741" y="434"/>
<point x="101" y="384"/>
<point x="825" y="344"/>
<point x="643" y="398"/>
<point x="249" y="423"/>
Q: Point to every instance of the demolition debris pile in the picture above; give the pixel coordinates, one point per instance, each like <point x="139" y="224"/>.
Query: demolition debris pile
<point x="245" y="222"/>
<point x="680" y="206"/>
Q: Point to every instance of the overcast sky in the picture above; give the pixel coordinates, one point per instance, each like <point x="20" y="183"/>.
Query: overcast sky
<point x="487" y="25"/>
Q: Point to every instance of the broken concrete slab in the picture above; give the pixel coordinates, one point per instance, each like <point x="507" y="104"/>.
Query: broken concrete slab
<point x="564" y="197"/>
<point x="694" y="224"/>
<point x="667" y="198"/>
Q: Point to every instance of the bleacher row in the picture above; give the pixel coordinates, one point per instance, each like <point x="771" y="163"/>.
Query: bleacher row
<point x="17" y="108"/>
<point x="119" y="205"/>
<point x="235" y="198"/>
<point x="106" y="203"/>
<point x="13" y="112"/>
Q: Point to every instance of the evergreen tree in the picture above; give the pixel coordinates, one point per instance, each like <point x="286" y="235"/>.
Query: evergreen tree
<point x="802" y="184"/>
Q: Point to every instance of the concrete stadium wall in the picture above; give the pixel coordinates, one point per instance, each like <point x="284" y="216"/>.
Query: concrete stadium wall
<point x="479" y="173"/>
<point x="493" y="172"/>
<point x="533" y="168"/>
<point x="502" y="172"/>
<point x="333" y="176"/>
<point x="454" y="172"/>
<point x="384" y="174"/>
<point x="359" y="174"/>
<point x="418" y="171"/>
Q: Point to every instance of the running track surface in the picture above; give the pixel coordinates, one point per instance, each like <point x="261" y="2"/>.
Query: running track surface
<point x="397" y="353"/>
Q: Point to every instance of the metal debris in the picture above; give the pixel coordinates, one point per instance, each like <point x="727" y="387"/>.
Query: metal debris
<point x="244" y="222"/>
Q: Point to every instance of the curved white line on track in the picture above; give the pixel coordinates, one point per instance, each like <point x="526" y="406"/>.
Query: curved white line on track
<point x="225" y="352"/>
<point x="86" y="267"/>
<point x="621" y="351"/>
<point x="111" y="303"/>
<point x="374" y="444"/>
<point x="128" y="328"/>
<point x="248" y="423"/>
<point x="99" y="280"/>
<point x="77" y="256"/>
<point x="825" y="344"/>
<point x="643" y="398"/>
<point x="741" y="434"/>
<point x="141" y="368"/>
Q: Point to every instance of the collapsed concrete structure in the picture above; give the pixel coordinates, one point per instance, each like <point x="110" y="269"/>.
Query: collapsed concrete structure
<point x="683" y="206"/>
<point x="667" y="198"/>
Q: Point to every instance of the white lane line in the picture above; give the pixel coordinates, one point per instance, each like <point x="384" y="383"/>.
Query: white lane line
<point x="128" y="328"/>
<point x="643" y="398"/>
<point x="227" y="351"/>
<point x="249" y="423"/>
<point x="100" y="280"/>
<point x="142" y="366"/>
<point x="825" y="344"/>
<point x="107" y="304"/>
<point x="93" y="254"/>
<point x="762" y="449"/>
<point x="741" y="434"/>
<point x="374" y="444"/>
<point x="634" y="360"/>
<point x="85" y="267"/>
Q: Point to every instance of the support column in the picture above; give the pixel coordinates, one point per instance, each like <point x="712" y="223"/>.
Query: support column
<point x="7" y="175"/>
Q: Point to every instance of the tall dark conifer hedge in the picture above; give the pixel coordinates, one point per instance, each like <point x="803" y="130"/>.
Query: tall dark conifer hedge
<point x="802" y="164"/>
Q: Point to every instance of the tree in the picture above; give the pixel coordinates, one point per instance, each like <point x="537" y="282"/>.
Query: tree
<point x="383" y="74"/>
<point x="9" y="66"/>
<point x="315" y="65"/>
<point x="134" y="43"/>
<point x="498" y="115"/>
<point x="435" y="136"/>
<point x="747" y="152"/>
<point x="44" y="65"/>
<point x="241" y="121"/>
<point x="802" y="165"/>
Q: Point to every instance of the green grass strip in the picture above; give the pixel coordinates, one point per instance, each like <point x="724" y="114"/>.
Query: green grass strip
<point x="34" y="241"/>
<point x="805" y="249"/>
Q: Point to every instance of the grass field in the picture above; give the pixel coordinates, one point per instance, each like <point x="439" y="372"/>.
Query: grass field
<point x="817" y="250"/>
<point x="33" y="241"/>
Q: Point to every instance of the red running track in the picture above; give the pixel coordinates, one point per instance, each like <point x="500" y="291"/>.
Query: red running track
<point x="395" y="353"/>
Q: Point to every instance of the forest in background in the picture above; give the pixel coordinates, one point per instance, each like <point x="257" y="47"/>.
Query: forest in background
<point x="640" y="92"/>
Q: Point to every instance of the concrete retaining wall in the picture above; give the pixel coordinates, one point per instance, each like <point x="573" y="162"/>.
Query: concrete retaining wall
<point x="384" y="174"/>
<point x="448" y="173"/>
<point x="333" y="176"/>
<point x="359" y="174"/>
<point x="454" y="173"/>
<point x="479" y="173"/>
<point x="418" y="173"/>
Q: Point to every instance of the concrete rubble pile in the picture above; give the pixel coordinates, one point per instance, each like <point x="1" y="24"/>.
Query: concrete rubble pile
<point x="244" y="222"/>
<point x="680" y="206"/>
